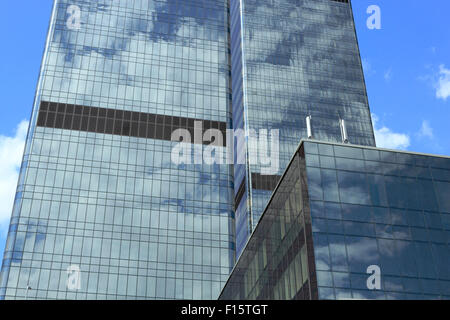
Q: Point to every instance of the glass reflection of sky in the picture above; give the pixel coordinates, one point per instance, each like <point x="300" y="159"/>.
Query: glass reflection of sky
<point x="388" y="213"/>
<point x="300" y="58"/>
<point x="136" y="224"/>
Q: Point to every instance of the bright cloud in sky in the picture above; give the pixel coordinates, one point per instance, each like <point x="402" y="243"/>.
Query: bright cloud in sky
<point x="426" y="130"/>
<point x="443" y="84"/>
<point x="388" y="75"/>
<point x="11" y="152"/>
<point x="367" y="67"/>
<point x="386" y="138"/>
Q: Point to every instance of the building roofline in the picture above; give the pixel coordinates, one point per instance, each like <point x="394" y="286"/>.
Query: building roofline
<point x="371" y="148"/>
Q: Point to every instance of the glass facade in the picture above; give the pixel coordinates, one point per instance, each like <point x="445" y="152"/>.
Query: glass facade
<point x="98" y="190"/>
<point x="100" y="193"/>
<point x="291" y="59"/>
<point x="367" y="207"/>
<point x="278" y="260"/>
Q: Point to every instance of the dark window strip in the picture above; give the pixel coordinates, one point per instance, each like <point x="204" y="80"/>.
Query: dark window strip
<point x="263" y="182"/>
<point x="240" y="194"/>
<point x="276" y="271"/>
<point x="119" y="122"/>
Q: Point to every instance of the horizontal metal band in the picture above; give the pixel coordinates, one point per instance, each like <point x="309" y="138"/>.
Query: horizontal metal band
<point x="259" y="182"/>
<point x="263" y="182"/>
<point x="119" y="122"/>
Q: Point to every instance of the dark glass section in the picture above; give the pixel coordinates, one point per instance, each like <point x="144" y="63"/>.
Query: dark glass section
<point x="240" y="194"/>
<point x="278" y="261"/>
<point x="264" y="182"/>
<point x="100" y="120"/>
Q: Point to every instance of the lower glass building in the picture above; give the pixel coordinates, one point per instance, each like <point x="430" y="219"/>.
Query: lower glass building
<point x="351" y="222"/>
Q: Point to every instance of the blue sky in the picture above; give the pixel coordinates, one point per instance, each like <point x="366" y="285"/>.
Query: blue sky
<point x="406" y="65"/>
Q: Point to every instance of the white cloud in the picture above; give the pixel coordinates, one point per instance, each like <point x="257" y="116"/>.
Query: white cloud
<point x="386" y="138"/>
<point x="443" y="83"/>
<point x="426" y="130"/>
<point x="367" y="67"/>
<point x="388" y="75"/>
<point x="11" y="152"/>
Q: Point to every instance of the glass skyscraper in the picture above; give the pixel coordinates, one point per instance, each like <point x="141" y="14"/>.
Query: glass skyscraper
<point x="98" y="191"/>
<point x="351" y="222"/>
<point x="99" y="196"/>
<point x="290" y="60"/>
